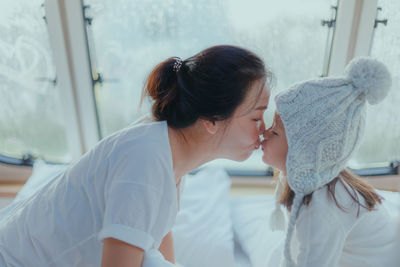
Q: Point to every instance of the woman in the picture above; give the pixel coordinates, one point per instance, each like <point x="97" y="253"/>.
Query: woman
<point x="120" y="200"/>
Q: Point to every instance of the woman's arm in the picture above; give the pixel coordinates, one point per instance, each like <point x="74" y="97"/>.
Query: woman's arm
<point x="120" y="254"/>
<point x="167" y="248"/>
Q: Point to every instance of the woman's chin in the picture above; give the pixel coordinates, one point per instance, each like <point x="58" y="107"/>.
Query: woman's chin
<point x="242" y="157"/>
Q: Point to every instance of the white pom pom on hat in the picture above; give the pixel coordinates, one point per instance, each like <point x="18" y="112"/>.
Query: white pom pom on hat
<point x="371" y="77"/>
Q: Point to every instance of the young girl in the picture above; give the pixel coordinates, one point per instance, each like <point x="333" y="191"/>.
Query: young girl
<point x="116" y="205"/>
<point x="336" y="218"/>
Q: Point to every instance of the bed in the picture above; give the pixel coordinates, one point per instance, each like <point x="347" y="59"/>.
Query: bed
<point x="212" y="228"/>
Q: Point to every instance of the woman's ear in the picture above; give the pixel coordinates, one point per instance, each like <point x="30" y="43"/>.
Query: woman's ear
<point x="211" y="126"/>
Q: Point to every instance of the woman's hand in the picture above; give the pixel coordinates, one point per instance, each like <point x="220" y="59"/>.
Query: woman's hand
<point x="167" y="248"/>
<point x="120" y="254"/>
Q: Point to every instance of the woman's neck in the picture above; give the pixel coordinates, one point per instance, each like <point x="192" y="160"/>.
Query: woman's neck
<point x="189" y="150"/>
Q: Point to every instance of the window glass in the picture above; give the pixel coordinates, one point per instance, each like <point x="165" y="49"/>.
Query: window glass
<point x="30" y="115"/>
<point x="129" y="37"/>
<point x="382" y="133"/>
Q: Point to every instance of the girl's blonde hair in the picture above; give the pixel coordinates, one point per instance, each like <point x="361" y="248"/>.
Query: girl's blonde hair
<point x="356" y="186"/>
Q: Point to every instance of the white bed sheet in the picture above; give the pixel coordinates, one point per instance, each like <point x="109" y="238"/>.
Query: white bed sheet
<point x="250" y="216"/>
<point x="241" y="258"/>
<point x="203" y="234"/>
<point x="212" y="228"/>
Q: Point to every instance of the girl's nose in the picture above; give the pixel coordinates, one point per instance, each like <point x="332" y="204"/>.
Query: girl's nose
<point x="266" y="133"/>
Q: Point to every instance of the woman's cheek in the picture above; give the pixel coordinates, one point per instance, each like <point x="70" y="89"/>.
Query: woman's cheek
<point x="256" y="130"/>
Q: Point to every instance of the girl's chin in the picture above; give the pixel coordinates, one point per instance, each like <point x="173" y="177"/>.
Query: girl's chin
<point x="268" y="162"/>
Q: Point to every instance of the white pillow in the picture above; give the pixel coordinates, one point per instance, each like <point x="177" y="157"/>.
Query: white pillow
<point x="250" y="216"/>
<point x="42" y="173"/>
<point x="203" y="235"/>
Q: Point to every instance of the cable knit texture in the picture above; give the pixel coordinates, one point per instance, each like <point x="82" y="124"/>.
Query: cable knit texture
<point x="324" y="120"/>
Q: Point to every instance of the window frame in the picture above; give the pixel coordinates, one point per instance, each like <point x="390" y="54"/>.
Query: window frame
<point x="352" y="37"/>
<point x="66" y="26"/>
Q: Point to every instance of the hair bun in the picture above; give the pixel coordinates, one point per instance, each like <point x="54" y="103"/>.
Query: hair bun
<point x="371" y="76"/>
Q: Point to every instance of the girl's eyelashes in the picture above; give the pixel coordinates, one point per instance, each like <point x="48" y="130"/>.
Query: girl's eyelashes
<point x="273" y="132"/>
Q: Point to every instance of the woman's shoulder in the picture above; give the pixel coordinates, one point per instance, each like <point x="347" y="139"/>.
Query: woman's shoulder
<point x="142" y="135"/>
<point x="144" y="142"/>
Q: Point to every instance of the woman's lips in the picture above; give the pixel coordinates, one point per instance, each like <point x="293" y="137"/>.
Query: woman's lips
<point x="263" y="145"/>
<point x="257" y="144"/>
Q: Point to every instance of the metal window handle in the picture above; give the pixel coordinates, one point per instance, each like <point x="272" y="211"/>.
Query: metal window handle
<point x="46" y="79"/>
<point x="383" y="21"/>
<point x="330" y="23"/>
<point x="98" y="78"/>
<point x="377" y="21"/>
<point x="88" y="19"/>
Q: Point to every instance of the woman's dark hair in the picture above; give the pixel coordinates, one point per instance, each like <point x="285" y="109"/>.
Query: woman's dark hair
<point x="209" y="85"/>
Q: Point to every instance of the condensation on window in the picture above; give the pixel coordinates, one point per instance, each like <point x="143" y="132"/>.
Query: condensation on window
<point x="380" y="143"/>
<point x="31" y="121"/>
<point x="129" y="37"/>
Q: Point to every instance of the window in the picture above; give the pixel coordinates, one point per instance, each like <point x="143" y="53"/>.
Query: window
<point x="31" y="120"/>
<point x="127" y="38"/>
<point x="382" y="133"/>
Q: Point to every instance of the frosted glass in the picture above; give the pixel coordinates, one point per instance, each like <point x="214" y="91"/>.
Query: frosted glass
<point x="30" y="115"/>
<point x="381" y="142"/>
<point x="129" y="37"/>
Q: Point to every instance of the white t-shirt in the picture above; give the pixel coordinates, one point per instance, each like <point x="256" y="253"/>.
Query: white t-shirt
<point x="326" y="236"/>
<point x="123" y="188"/>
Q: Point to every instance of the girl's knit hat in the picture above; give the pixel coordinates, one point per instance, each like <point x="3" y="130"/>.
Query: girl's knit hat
<point x="324" y="121"/>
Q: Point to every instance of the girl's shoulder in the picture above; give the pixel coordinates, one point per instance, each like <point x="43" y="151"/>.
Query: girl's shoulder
<point x="343" y="205"/>
<point x="343" y="198"/>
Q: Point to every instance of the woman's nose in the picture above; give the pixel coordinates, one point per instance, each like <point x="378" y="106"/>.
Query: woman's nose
<point x="261" y="128"/>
